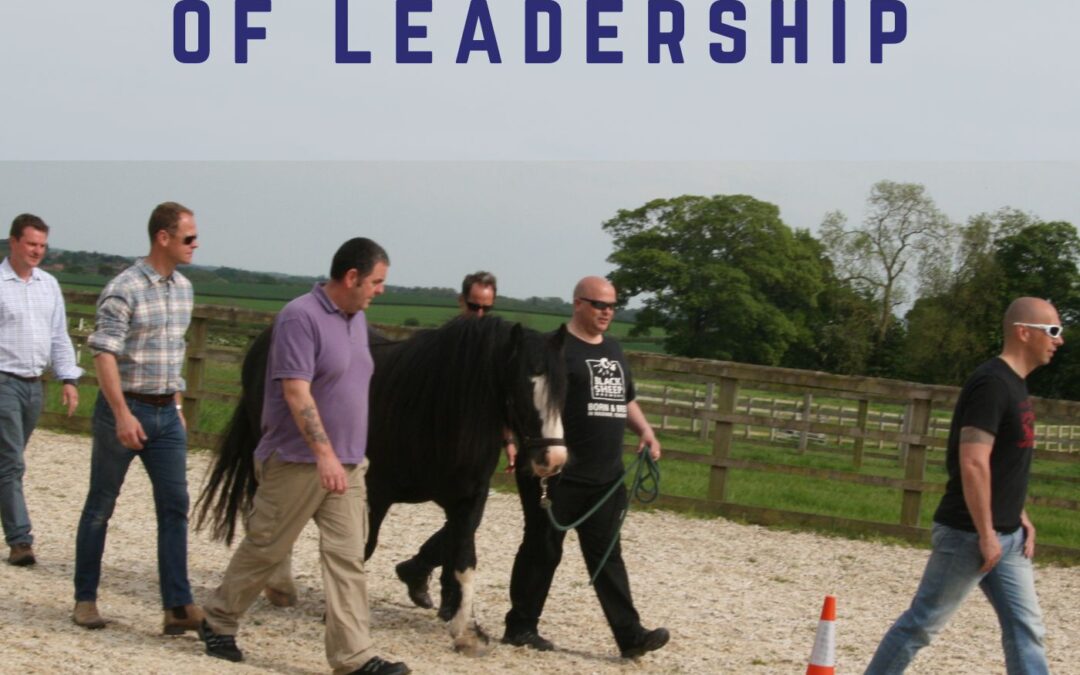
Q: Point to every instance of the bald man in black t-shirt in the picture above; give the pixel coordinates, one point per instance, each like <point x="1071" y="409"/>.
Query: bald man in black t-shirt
<point x="982" y="535"/>
<point x="599" y="406"/>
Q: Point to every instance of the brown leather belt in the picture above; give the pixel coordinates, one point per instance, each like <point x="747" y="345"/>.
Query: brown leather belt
<point x="36" y="378"/>
<point x="160" y="400"/>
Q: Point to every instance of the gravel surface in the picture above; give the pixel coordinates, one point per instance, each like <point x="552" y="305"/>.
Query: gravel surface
<point x="736" y="598"/>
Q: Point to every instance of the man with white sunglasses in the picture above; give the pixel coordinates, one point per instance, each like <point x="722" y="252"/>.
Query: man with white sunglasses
<point x="982" y="534"/>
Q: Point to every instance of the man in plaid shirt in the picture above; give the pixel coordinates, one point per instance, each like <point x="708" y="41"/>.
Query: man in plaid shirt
<point x="138" y="345"/>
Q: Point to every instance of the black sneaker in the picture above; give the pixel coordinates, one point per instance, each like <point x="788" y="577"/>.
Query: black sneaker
<point x="648" y="641"/>
<point x="219" y="646"/>
<point x="528" y="638"/>
<point x="377" y="666"/>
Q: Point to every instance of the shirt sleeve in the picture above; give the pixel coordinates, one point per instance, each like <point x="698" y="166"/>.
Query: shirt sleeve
<point x="292" y="354"/>
<point x="62" y="352"/>
<point x="112" y="322"/>
<point x="986" y="405"/>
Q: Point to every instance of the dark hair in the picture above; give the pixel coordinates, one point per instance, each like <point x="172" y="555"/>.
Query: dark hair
<point x="482" y="278"/>
<point x="166" y="216"/>
<point x="360" y="254"/>
<point x="25" y="220"/>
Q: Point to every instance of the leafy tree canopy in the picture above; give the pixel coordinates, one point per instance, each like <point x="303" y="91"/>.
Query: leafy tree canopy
<point x="723" y="276"/>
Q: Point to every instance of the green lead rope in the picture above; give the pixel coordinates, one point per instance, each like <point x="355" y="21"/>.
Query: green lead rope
<point x="645" y="489"/>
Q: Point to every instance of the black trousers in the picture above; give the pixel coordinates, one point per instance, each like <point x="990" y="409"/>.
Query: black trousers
<point x="542" y="546"/>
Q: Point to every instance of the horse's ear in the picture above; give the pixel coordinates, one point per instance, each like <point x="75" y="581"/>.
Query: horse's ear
<point x="517" y="338"/>
<point x="558" y="338"/>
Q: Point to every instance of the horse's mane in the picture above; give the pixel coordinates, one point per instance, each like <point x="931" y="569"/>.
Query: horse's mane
<point x="442" y="395"/>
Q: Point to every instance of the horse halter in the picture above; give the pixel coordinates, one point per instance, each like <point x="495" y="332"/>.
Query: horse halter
<point x="541" y="442"/>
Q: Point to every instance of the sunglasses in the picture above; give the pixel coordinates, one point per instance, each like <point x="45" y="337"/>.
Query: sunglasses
<point x="476" y="307"/>
<point x="190" y="239"/>
<point x="1051" y="329"/>
<point x="599" y="304"/>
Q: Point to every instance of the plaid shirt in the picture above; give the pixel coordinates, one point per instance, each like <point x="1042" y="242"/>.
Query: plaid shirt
<point x="33" y="326"/>
<point x="141" y="319"/>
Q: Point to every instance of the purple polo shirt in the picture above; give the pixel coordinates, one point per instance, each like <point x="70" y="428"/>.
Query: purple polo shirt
<point x="314" y="341"/>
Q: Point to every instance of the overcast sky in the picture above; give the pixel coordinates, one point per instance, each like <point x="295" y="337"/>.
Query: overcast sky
<point x="973" y="80"/>
<point x="513" y="167"/>
<point x="536" y="225"/>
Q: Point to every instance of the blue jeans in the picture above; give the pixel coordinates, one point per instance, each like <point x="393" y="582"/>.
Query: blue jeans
<point x="20" y="406"/>
<point x="164" y="456"/>
<point x="951" y="573"/>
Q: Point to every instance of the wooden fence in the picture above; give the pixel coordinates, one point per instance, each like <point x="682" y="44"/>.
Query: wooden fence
<point x="913" y="434"/>
<point x="908" y="421"/>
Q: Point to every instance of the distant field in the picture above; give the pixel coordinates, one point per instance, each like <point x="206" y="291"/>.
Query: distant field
<point x="389" y="309"/>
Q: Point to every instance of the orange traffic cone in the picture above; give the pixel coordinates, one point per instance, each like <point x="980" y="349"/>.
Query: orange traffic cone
<point x="823" y="658"/>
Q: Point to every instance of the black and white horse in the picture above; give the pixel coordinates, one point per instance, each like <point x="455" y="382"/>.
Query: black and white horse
<point x="441" y="403"/>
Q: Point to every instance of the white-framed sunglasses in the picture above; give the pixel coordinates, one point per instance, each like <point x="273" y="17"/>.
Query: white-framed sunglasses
<point x="1051" y="329"/>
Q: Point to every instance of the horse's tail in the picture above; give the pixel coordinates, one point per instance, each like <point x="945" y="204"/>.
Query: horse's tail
<point x="230" y="484"/>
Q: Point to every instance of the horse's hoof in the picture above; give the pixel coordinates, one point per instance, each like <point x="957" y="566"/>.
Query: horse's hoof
<point x="446" y="612"/>
<point x="416" y="580"/>
<point x="470" y="646"/>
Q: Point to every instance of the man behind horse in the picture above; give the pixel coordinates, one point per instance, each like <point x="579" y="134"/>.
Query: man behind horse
<point x="310" y="462"/>
<point x="982" y="535"/>
<point x="599" y="405"/>
<point x="477" y="298"/>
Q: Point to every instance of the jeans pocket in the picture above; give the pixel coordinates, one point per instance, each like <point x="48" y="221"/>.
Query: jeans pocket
<point x="950" y="540"/>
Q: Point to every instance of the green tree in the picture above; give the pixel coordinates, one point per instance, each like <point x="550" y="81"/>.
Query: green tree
<point x="723" y="276"/>
<point x="903" y="238"/>
<point x="958" y="327"/>
<point x="1042" y="261"/>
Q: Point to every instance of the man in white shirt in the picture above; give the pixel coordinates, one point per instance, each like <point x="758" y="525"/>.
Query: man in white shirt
<point x="33" y="337"/>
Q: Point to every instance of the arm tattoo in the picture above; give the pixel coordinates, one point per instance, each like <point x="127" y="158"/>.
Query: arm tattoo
<point x="313" y="428"/>
<point x="976" y="435"/>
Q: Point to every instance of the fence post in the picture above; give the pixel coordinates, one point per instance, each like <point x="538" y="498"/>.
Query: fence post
<point x="710" y="391"/>
<point x="860" y="423"/>
<point x="663" y="418"/>
<point x="918" y="421"/>
<point x="749" y="411"/>
<point x="772" y="418"/>
<point x="196" y="369"/>
<point x="807" y="405"/>
<point x="905" y="428"/>
<point x="693" y="410"/>
<point x="723" y="437"/>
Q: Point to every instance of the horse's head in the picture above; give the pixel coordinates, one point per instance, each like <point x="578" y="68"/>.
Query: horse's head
<point x="536" y="410"/>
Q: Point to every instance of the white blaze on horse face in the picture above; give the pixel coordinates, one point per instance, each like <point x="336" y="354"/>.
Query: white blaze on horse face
<point x="550" y="427"/>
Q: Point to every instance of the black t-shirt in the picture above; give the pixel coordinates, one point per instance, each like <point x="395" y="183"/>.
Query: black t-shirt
<point x="994" y="399"/>
<point x="598" y="389"/>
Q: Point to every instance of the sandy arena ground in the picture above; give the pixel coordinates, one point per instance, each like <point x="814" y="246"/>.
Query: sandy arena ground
<point x="736" y="598"/>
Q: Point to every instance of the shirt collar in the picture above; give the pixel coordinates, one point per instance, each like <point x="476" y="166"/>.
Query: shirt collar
<point x="150" y="273"/>
<point x="7" y="272"/>
<point x="319" y="291"/>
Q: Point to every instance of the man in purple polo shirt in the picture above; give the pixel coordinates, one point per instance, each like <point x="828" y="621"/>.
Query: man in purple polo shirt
<point x="310" y="462"/>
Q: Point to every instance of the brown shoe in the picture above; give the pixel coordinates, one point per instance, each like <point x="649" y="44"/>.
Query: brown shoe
<point x="21" y="555"/>
<point x="280" y="598"/>
<point x="180" y="619"/>
<point x="86" y="615"/>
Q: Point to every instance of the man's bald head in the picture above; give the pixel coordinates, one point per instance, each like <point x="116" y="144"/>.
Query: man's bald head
<point x="1032" y="334"/>
<point x="594" y="308"/>
<point x="1028" y="310"/>
<point x="592" y="287"/>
